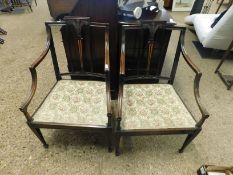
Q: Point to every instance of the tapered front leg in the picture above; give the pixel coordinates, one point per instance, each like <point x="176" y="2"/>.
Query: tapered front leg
<point x="188" y="140"/>
<point x="110" y="142"/>
<point x="117" y="144"/>
<point x="39" y="135"/>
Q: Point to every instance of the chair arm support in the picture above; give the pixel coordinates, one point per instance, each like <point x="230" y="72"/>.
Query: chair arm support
<point x="197" y="79"/>
<point x="43" y="54"/>
<point x="25" y="104"/>
<point x="32" y="68"/>
<point x="203" y="110"/>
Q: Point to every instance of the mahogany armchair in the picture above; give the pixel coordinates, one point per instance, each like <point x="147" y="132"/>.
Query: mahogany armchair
<point x="148" y="104"/>
<point x="80" y="103"/>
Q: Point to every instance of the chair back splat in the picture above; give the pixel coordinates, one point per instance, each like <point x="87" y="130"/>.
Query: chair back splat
<point x="147" y="67"/>
<point x="82" y="64"/>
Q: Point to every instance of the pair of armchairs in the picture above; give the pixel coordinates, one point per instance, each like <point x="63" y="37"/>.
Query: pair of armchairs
<point x="81" y="99"/>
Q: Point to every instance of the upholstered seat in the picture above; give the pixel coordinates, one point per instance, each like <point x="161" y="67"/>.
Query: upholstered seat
<point x="153" y="106"/>
<point x="75" y="102"/>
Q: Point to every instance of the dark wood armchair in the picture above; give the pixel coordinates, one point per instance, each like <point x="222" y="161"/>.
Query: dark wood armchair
<point x="148" y="104"/>
<point x="83" y="103"/>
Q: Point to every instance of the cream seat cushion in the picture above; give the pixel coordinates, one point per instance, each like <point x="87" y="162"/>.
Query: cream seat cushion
<point x="75" y="102"/>
<point x="202" y="25"/>
<point x="153" y="106"/>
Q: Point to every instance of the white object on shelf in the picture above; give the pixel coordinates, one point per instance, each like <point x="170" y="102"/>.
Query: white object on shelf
<point x="137" y="12"/>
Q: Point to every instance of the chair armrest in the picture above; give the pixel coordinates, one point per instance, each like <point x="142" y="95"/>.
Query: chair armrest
<point x="107" y="70"/>
<point x="32" y="68"/>
<point x="197" y="79"/>
<point x="43" y="54"/>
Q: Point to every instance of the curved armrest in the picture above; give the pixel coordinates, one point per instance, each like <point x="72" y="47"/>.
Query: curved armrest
<point x="43" y="54"/>
<point x="198" y="75"/>
<point x="32" y="69"/>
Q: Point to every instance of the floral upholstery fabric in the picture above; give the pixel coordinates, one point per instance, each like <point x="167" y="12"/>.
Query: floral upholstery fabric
<point x="153" y="106"/>
<point x="75" y="102"/>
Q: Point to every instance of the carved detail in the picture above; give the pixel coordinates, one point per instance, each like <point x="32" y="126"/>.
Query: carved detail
<point x="77" y="23"/>
<point x="151" y="45"/>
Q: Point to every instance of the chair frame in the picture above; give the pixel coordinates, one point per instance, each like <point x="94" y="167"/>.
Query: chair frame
<point x="123" y="79"/>
<point x="226" y="79"/>
<point x="78" y="22"/>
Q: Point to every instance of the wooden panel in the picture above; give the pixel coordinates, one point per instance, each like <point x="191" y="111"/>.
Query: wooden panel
<point x="168" y="4"/>
<point x="59" y="7"/>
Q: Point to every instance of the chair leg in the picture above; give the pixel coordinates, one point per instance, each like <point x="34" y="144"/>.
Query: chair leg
<point x="29" y="5"/>
<point x="36" y="2"/>
<point x="117" y="145"/>
<point x="188" y="140"/>
<point x="110" y="142"/>
<point x="226" y="54"/>
<point x="39" y="135"/>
